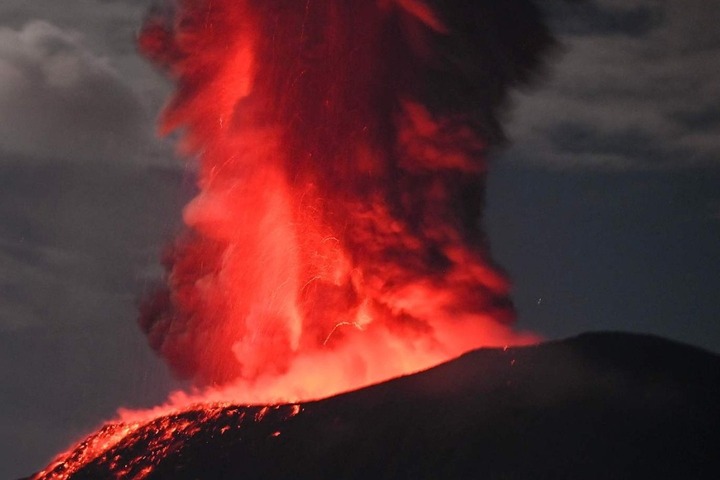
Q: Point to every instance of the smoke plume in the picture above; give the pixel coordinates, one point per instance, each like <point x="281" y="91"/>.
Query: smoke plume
<point x="336" y="238"/>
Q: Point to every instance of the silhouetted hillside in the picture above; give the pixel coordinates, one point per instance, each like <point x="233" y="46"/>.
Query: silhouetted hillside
<point x="599" y="406"/>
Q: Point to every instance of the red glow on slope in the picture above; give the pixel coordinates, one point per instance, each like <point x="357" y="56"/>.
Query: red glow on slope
<point x="160" y="437"/>
<point x="334" y="242"/>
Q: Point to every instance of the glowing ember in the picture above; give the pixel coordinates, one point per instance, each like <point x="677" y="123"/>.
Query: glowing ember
<point x="160" y="436"/>
<point x="335" y="241"/>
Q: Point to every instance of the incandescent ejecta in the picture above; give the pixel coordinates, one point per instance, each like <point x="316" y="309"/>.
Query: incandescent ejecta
<point x="335" y="240"/>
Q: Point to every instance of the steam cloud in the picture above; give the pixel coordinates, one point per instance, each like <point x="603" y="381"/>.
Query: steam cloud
<point x="336" y="237"/>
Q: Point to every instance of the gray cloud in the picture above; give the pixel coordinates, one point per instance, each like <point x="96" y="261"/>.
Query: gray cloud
<point x="636" y="88"/>
<point x="93" y="17"/>
<point x="77" y="240"/>
<point x="59" y="100"/>
<point x="592" y="17"/>
<point x="109" y="28"/>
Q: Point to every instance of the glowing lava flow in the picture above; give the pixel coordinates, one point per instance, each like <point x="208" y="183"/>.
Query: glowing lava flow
<point x="335" y="241"/>
<point x="161" y="437"/>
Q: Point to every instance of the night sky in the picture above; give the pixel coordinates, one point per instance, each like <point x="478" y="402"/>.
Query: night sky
<point x="604" y="209"/>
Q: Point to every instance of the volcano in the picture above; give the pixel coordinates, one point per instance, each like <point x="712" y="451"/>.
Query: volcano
<point x="336" y="242"/>
<point x="602" y="405"/>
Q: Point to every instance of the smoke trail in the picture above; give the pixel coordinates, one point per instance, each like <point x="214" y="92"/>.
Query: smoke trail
<point x="336" y="239"/>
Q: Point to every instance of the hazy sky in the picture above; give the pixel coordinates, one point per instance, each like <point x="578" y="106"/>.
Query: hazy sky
<point x="605" y="210"/>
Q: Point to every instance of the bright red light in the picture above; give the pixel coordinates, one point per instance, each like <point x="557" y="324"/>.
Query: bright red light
<point x="335" y="241"/>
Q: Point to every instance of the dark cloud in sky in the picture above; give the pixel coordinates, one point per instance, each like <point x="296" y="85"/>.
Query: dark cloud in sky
<point x="105" y="29"/>
<point x="640" y="145"/>
<point x="636" y="88"/>
<point x="77" y="233"/>
<point x="595" y="18"/>
<point x="108" y="27"/>
<point x="62" y="102"/>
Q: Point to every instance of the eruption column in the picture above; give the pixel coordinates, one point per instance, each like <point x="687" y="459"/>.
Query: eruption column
<point x="335" y="240"/>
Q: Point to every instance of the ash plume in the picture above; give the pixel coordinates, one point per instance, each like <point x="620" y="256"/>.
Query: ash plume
<point x="336" y="239"/>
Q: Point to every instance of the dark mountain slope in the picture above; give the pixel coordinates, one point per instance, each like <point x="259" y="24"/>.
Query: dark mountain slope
<point x="599" y="406"/>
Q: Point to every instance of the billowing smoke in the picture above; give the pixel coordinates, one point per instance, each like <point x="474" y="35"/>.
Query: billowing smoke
<point x="336" y="237"/>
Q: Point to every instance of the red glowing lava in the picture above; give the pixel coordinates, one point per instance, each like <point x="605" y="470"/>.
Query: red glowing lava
<point x="160" y="437"/>
<point x="335" y="240"/>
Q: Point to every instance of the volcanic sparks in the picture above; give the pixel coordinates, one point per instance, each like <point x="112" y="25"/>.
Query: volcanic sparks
<point x="104" y="452"/>
<point x="335" y="240"/>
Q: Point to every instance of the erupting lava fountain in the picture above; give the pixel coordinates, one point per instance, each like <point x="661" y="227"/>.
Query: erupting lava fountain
<point x="335" y="240"/>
